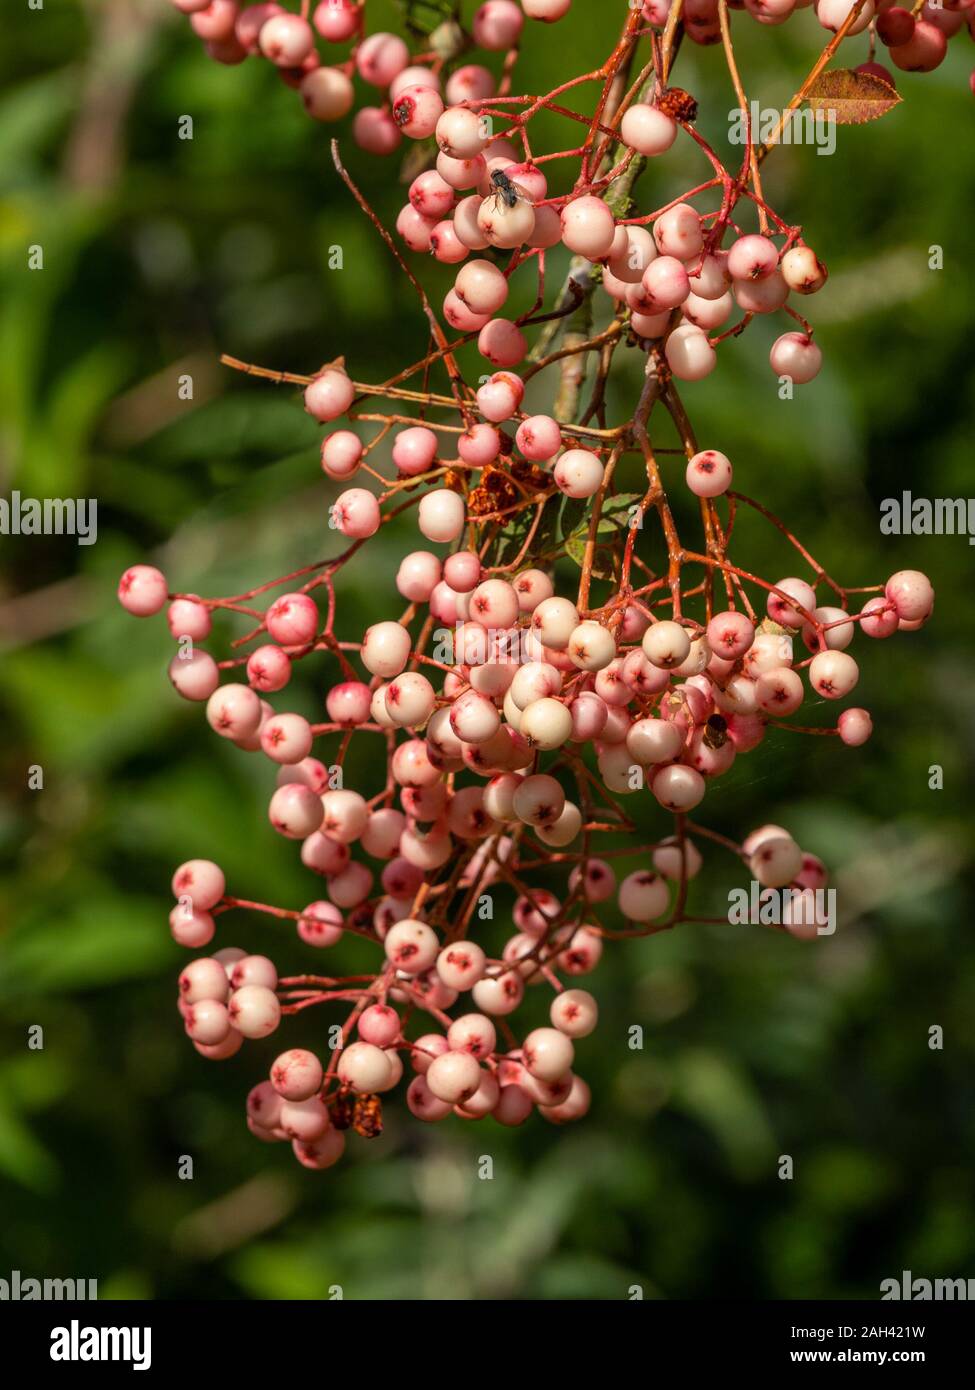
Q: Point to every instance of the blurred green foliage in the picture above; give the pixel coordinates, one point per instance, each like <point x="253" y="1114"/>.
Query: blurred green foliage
<point x="158" y="254"/>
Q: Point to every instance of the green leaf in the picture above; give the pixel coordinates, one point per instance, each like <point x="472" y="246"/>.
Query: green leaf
<point x="721" y="1097"/>
<point x="21" y="1156"/>
<point x="514" y="533"/>
<point x="613" y="522"/>
<point x="100" y="941"/>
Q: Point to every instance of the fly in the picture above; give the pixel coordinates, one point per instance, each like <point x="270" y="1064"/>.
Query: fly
<point x="506" y="191"/>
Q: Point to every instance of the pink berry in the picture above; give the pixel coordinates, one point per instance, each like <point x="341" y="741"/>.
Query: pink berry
<point x="467" y="225"/>
<point x="234" y="711"/>
<point x="195" y="675"/>
<point x="539" y="438"/>
<point x="503" y="225"/>
<point x="375" y="131"/>
<point x="459" y="133"/>
<point x="191" y="927"/>
<point x="802" y="270"/>
<point x="292" y="620"/>
<point x="647" y="130"/>
<point x="574" y="1012"/>
<point x="548" y="1053"/>
<point x="472" y="1033"/>
<point x="355" y="512"/>
<point x="643" y="896"/>
<point x="337" y="20"/>
<point x="676" y="862"/>
<point x="249" y="23"/>
<point x="446" y="245"/>
<point x="792" y="614"/>
<point x="142" y="590"/>
<point x="453" y="1077"/>
<point x="320" y="1153"/>
<point x="215" y="22"/>
<point x="855" y="726"/>
<point x="341" y="452"/>
<point x="417" y="577"/>
<point x="795" y="355"/>
<point x="763" y="296"/>
<point x="880" y="618"/>
<point x="461" y="965"/>
<point x="431" y="196"/>
<point x="221" y="1051"/>
<point x="411" y="946"/>
<point x="254" y="1011"/>
<point x="380" y="58"/>
<point x="752" y="258"/>
<point x="462" y="571"/>
<point x="779" y="691"/>
<point x="329" y="395"/>
<point x="320" y="924"/>
<point x="441" y="515"/>
<point x="677" y="232"/>
<point x="189" y="618"/>
<point x="304" y="1121"/>
<point x="414" y="228"/>
<point x="689" y="354"/>
<point x="494" y="604"/>
<point x="497" y="401"/>
<point x="346" y="814"/>
<point x="497" y="25"/>
<point x="286" y="39"/>
<point x="588" y="227"/>
<point x="730" y="634"/>
<point x="295" y="811"/>
<point x="203" y="978"/>
<point x="633" y="250"/>
<point x="201" y="881"/>
<point x="579" y="473"/>
<point x="253" y="970"/>
<point x="502" y="343"/>
<point x="678" y="788"/>
<point x="775" y="860"/>
<point x="207" y="1022"/>
<point x="268" y="668"/>
<point x="286" y="738"/>
<point x="832" y="13"/>
<point x="911" y="594"/>
<point x="474" y="718"/>
<point x="296" y="1075"/>
<point x="833" y="674"/>
<point x="481" y="286"/>
<point x="708" y="473"/>
<point x="665" y="283"/>
<point x="573" y="1107"/>
<point x="470" y="83"/>
<point x="416" y="111"/>
<point x="379" y="1025"/>
<point x="364" y="1067"/>
<point x="546" y="10"/>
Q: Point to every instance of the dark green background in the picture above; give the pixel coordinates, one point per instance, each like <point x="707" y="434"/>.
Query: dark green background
<point x="159" y="254"/>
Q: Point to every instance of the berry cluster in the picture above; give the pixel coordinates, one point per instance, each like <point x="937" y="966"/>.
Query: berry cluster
<point x="561" y="646"/>
<point x="415" y="87"/>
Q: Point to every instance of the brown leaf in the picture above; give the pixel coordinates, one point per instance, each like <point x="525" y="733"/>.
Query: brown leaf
<point x="852" y="97"/>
